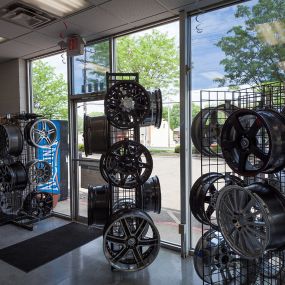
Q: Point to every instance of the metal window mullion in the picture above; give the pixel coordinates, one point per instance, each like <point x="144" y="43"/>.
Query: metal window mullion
<point x="73" y="169"/>
<point x="185" y="140"/>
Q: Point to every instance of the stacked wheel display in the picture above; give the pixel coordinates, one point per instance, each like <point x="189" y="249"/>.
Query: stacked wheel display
<point x="20" y="171"/>
<point x="242" y="205"/>
<point x="131" y="240"/>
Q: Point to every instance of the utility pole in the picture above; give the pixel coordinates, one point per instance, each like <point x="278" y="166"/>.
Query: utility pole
<point x="168" y="119"/>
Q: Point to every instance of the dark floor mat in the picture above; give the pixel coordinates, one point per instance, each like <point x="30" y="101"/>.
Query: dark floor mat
<point x="37" y="251"/>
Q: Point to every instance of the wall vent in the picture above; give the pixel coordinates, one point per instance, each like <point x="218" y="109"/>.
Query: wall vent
<point x="25" y="16"/>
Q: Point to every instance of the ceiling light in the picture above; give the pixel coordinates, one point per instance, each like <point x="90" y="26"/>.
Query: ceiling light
<point x="59" y="8"/>
<point x="2" y="40"/>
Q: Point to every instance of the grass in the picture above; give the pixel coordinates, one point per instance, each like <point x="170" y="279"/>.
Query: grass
<point x="162" y="151"/>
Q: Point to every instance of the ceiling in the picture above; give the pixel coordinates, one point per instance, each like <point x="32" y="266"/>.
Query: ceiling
<point x="101" y="18"/>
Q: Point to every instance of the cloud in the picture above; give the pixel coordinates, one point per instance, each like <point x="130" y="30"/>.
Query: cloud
<point x="212" y="75"/>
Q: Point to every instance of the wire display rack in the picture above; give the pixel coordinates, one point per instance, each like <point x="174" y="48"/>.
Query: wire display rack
<point x="13" y="202"/>
<point x="122" y="197"/>
<point x="216" y="259"/>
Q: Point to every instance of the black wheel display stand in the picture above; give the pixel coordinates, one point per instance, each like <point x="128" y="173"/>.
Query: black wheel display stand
<point x="127" y="166"/>
<point x="116" y="135"/>
<point x="12" y="202"/>
<point x="243" y="161"/>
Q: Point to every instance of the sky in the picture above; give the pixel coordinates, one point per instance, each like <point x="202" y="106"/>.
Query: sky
<point x="206" y="30"/>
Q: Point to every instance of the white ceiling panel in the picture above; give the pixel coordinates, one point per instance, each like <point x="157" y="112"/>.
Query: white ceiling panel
<point x="97" y="20"/>
<point x="15" y="49"/>
<point x="174" y="4"/>
<point x="107" y="18"/>
<point x="54" y="30"/>
<point x="39" y="40"/>
<point x="41" y="52"/>
<point x="199" y="4"/>
<point x="110" y="32"/>
<point x="134" y="10"/>
<point x="10" y="31"/>
<point x="153" y="19"/>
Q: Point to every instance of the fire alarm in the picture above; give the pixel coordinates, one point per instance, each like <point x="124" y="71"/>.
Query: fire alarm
<point x="75" y="45"/>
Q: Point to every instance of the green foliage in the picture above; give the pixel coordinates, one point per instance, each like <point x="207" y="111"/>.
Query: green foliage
<point x="81" y="147"/>
<point x="254" y="50"/>
<point x="177" y="149"/>
<point x="175" y="117"/>
<point x="96" y="56"/>
<point x="174" y="114"/>
<point x="155" y="56"/>
<point x="49" y="91"/>
<point x="195" y="110"/>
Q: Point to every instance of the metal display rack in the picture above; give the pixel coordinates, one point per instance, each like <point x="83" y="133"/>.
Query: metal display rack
<point x="13" y="202"/>
<point x="117" y="193"/>
<point x="216" y="258"/>
<point x="131" y="241"/>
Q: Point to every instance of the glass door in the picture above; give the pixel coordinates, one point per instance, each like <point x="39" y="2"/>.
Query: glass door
<point x="88" y="172"/>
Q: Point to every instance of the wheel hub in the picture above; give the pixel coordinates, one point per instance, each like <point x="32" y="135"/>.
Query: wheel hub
<point x="131" y="242"/>
<point x="127" y="104"/>
<point x="244" y="142"/>
<point x="239" y="222"/>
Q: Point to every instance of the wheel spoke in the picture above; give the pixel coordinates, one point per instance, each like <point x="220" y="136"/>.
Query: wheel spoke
<point x="141" y="228"/>
<point x="44" y="125"/>
<point x="137" y="178"/>
<point x="230" y="211"/>
<point x="259" y="154"/>
<point x="38" y="132"/>
<point x="39" y="140"/>
<point x="235" y="196"/>
<point x="120" y="255"/>
<point x="115" y="239"/>
<point x="248" y="206"/>
<point x="243" y="200"/>
<point x="256" y="232"/>
<point x="251" y="241"/>
<point x="229" y="144"/>
<point x="242" y="161"/>
<point x="237" y="125"/>
<point x="207" y="199"/>
<point x="252" y="132"/>
<point x="48" y="140"/>
<point x="126" y="227"/>
<point x="138" y="256"/>
<point x="209" y="212"/>
<point x="123" y="178"/>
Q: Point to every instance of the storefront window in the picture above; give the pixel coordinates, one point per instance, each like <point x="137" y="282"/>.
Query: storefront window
<point x="234" y="48"/>
<point x="89" y="70"/>
<point x="50" y="100"/>
<point x="154" y="54"/>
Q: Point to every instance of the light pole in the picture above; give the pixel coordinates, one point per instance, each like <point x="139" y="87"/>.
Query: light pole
<point x="168" y="119"/>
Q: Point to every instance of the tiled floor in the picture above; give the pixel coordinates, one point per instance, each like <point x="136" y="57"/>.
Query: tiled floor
<point x="87" y="265"/>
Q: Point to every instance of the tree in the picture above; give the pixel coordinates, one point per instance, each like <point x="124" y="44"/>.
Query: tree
<point x="174" y="114"/>
<point x="95" y="62"/>
<point x="155" y="56"/>
<point x="49" y="91"/>
<point x="255" y="51"/>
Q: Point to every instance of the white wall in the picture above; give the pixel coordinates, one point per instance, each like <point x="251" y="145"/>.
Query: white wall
<point x="153" y="137"/>
<point x="13" y="95"/>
